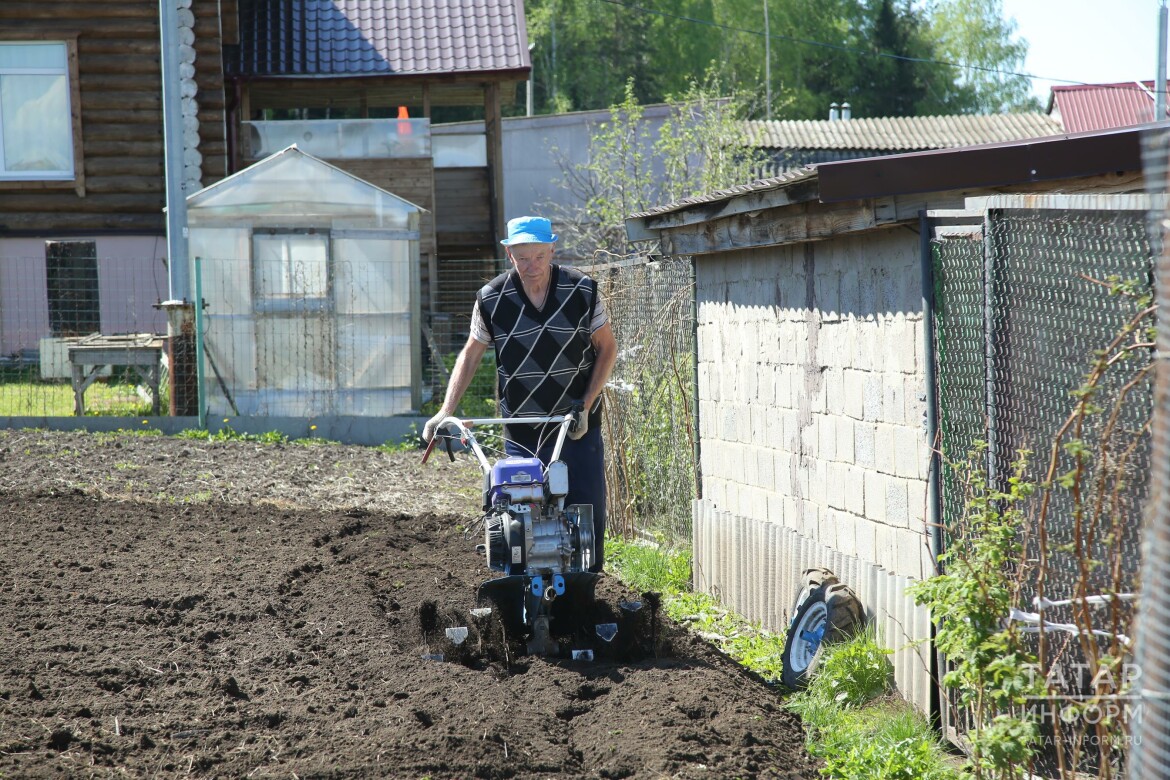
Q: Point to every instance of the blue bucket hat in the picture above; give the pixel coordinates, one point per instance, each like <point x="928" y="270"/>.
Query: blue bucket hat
<point x="529" y="230"/>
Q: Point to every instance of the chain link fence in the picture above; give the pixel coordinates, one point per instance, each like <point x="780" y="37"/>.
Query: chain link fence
<point x="52" y="299"/>
<point x="649" y="419"/>
<point x="1150" y="756"/>
<point x="1042" y="347"/>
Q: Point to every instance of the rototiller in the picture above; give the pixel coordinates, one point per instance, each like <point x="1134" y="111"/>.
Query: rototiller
<point x="544" y="548"/>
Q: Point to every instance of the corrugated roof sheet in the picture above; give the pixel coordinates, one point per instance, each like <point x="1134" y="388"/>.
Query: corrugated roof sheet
<point x="763" y="185"/>
<point x="381" y="37"/>
<point x="903" y="134"/>
<point x="1086" y="107"/>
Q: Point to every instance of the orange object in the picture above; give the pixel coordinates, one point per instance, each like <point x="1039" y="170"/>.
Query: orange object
<point x="403" y="127"/>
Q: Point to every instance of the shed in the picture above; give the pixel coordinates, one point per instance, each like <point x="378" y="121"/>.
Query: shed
<point x="812" y="367"/>
<point x="310" y="290"/>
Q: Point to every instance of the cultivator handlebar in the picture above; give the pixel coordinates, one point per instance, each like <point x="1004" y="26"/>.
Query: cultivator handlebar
<point x="467" y="438"/>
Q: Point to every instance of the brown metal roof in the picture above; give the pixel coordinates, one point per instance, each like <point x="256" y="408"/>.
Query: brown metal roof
<point x="901" y="133"/>
<point x="1014" y="162"/>
<point x="381" y="37"/>
<point x="1085" y="107"/>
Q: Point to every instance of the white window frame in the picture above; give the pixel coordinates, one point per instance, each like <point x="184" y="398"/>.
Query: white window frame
<point x="75" y="177"/>
<point x="290" y="294"/>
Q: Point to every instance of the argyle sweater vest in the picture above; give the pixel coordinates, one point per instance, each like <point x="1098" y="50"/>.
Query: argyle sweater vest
<point x="544" y="358"/>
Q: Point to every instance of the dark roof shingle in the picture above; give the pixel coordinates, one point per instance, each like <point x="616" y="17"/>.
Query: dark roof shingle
<point x="381" y="37"/>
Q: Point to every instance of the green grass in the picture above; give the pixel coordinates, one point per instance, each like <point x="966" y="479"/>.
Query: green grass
<point x="854" y="722"/>
<point x="31" y="398"/>
<point x="859" y="727"/>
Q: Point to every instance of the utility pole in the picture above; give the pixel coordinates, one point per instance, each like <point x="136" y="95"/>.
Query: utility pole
<point x="1160" y="76"/>
<point x="531" y="80"/>
<point x="768" y="64"/>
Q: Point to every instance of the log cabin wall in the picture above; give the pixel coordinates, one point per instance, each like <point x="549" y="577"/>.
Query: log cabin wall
<point x="122" y="187"/>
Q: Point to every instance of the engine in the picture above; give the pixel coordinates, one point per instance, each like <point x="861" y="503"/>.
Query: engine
<point x="528" y="529"/>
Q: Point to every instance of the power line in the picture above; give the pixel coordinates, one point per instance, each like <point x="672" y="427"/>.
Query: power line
<point x="843" y="48"/>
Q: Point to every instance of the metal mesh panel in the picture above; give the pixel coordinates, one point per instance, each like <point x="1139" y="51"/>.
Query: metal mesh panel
<point x="1150" y="756"/>
<point x="54" y="298"/>
<point x="649" y="426"/>
<point x="297" y="340"/>
<point x="960" y="350"/>
<point x="1052" y="309"/>
<point x="1023" y="312"/>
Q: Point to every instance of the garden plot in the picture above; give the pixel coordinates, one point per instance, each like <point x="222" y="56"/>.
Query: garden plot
<point x="229" y="609"/>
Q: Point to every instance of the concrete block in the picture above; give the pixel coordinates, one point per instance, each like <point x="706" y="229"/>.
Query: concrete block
<point x="875" y="496"/>
<point x="897" y="512"/>
<point x="776" y="509"/>
<point x="853" y="387"/>
<point x="844" y="427"/>
<point x="916" y="503"/>
<point x="782" y="386"/>
<point x="912" y="556"/>
<point x="774" y="425"/>
<point x="908" y="451"/>
<point x="893" y="398"/>
<point x="864" y="444"/>
<point x="793" y="431"/>
<point x="765" y="469"/>
<point x="886" y="541"/>
<point x="855" y="490"/>
<point x="792" y="513"/>
<point x="747" y="458"/>
<point x="865" y="544"/>
<point x="726" y="374"/>
<point x="835" y="487"/>
<point x="801" y="477"/>
<point x="747" y="380"/>
<point x="834" y="390"/>
<point x="728" y="425"/>
<point x="765" y="394"/>
<point x="809" y="438"/>
<point x="884" y="448"/>
<point x="829" y="525"/>
<point x="872" y="390"/>
<point x="905" y="347"/>
<point x="826" y="437"/>
<point x="817" y="485"/>
<point x="782" y="472"/>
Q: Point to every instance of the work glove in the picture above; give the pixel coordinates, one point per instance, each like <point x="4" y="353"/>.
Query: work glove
<point x="580" y="425"/>
<point x="432" y="426"/>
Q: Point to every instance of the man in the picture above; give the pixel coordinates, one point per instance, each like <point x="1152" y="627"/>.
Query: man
<point x="554" y="349"/>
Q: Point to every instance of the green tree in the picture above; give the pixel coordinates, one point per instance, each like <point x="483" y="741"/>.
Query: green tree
<point x="974" y="33"/>
<point x="883" y="56"/>
<point x="631" y="167"/>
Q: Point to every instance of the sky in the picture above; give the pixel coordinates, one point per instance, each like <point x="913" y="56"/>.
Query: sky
<point x="1089" y="41"/>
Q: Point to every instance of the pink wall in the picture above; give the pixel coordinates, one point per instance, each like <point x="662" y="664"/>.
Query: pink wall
<point x="132" y="277"/>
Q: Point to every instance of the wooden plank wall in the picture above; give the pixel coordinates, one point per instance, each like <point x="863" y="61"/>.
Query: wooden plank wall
<point x="121" y="114"/>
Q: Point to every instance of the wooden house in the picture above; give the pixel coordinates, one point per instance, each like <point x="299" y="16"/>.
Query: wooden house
<point x="82" y="188"/>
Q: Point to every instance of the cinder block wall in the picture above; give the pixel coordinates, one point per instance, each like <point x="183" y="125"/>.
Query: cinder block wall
<point x="811" y="414"/>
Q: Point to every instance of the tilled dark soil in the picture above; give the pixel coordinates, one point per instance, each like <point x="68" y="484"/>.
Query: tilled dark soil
<point x="190" y="609"/>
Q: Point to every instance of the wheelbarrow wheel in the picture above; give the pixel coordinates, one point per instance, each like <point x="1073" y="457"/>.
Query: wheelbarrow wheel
<point x="828" y="613"/>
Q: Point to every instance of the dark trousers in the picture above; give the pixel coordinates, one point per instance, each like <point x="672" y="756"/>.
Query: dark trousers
<point x="585" y="458"/>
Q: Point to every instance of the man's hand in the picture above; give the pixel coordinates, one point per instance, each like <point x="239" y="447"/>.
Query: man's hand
<point x="432" y="426"/>
<point x="580" y="425"/>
